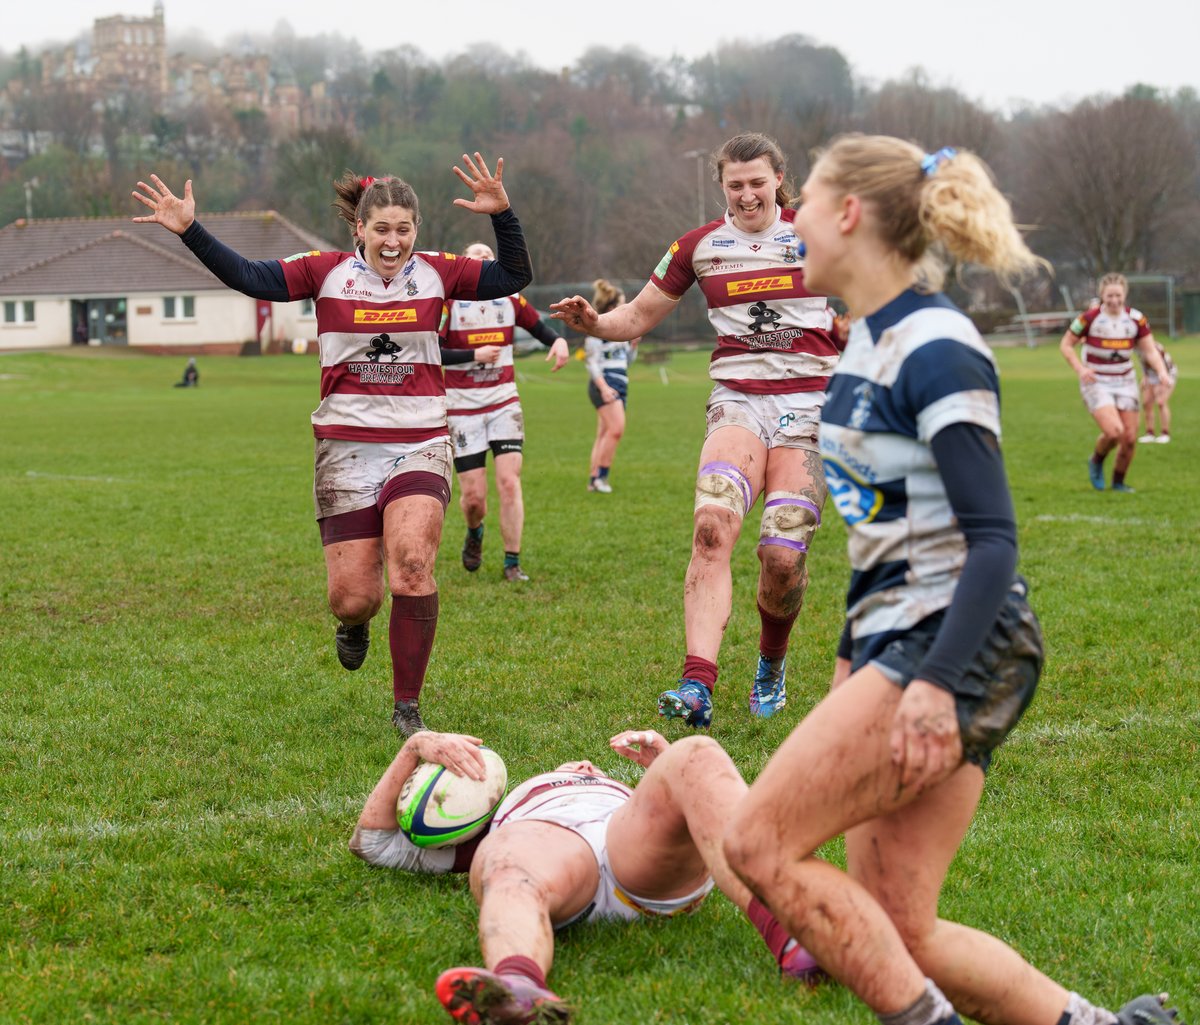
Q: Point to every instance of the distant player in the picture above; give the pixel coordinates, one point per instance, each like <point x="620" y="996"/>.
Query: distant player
<point x="774" y="352"/>
<point x="1156" y="396"/>
<point x="1110" y="333"/>
<point x="608" y="386"/>
<point x="485" y="411"/>
<point x="574" y="845"/>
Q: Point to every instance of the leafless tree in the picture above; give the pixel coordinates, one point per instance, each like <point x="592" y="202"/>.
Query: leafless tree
<point x="1108" y="181"/>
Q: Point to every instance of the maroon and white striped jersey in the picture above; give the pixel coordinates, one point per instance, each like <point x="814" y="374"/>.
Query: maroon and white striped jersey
<point x="1108" y="342"/>
<point x="774" y="337"/>
<point x="381" y="370"/>
<point x="567" y="798"/>
<point x="482" y="387"/>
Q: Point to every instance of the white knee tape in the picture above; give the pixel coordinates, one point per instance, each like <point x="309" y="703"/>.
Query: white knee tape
<point x="788" y="520"/>
<point x="725" y="485"/>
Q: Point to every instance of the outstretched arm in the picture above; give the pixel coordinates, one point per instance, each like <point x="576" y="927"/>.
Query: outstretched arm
<point x="631" y="320"/>
<point x="260" y="279"/>
<point x="512" y="269"/>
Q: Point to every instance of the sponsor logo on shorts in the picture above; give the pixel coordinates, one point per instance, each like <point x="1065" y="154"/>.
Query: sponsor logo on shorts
<point x="750" y="285"/>
<point x="384" y="316"/>
<point x="485" y="337"/>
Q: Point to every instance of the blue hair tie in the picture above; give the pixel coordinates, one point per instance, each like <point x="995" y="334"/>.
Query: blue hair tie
<point x="932" y="161"/>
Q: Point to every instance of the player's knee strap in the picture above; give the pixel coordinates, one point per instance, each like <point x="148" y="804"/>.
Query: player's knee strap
<point x="789" y="520"/>
<point x="725" y="485"/>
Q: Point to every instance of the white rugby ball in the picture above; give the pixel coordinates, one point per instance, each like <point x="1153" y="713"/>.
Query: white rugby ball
<point x="437" y="808"/>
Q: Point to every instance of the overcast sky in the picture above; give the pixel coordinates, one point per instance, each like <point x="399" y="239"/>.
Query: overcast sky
<point x="1000" y="54"/>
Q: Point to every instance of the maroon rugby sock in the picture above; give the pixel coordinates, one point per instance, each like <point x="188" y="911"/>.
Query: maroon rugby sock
<point x="701" y="670"/>
<point x="774" y="935"/>
<point x="773" y="639"/>
<point x="410" y="637"/>
<point x="518" y="964"/>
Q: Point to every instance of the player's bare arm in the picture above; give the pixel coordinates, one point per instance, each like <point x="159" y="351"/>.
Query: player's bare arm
<point x="457" y="752"/>
<point x="632" y="320"/>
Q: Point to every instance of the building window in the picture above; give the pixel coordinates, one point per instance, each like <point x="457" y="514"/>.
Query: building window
<point x="18" y="312"/>
<point x="179" y="307"/>
<point x="307" y="308"/>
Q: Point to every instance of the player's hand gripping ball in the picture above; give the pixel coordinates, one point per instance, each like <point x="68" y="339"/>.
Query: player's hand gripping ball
<point x="436" y="808"/>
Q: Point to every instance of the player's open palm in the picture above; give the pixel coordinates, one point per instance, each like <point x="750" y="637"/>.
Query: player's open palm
<point x="641" y="746"/>
<point x="487" y="188"/>
<point x="173" y="212"/>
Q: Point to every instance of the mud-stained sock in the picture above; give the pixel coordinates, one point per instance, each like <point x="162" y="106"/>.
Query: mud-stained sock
<point x="411" y="630"/>
<point x="512" y="559"/>
<point x="930" y="1008"/>
<point x="774" y="935"/>
<point x="1080" y="1012"/>
<point x="518" y="964"/>
<point x="701" y="670"/>
<point x="475" y="532"/>
<point x="774" y="633"/>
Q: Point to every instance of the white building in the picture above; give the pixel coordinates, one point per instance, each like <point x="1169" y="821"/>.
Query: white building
<point x="107" y="281"/>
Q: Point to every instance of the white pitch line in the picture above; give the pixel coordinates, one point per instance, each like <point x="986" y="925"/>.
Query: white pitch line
<point x="1107" y="521"/>
<point x="75" y="476"/>
<point x="99" y="829"/>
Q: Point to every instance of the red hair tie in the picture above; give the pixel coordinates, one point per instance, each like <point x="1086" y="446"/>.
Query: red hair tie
<point x="366" y="182"/>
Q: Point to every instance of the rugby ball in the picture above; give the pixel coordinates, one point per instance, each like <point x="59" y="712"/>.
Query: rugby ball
<point x="436" y="808"/>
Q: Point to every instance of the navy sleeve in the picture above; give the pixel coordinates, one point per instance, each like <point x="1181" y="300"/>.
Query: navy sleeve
<point x="259" y="279"/>
<point x="972" y="470"/>
<point x="452" y="356"/>
<point x="543" y="334"/>
<point x="512" y="269"/>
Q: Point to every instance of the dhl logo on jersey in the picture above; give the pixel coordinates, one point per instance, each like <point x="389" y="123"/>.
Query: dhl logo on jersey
<point x="485" y="338"/>
<point x="770" y="284"/>
<point x="384" y="316"/>
<point x="1115" y="343"/>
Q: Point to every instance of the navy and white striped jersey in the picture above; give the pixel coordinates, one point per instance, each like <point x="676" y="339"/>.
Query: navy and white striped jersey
<point x="607" y="359"/>
<point x="911" y="369"/>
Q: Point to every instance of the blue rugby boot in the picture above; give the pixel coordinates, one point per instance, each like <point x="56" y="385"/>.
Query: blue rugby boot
<point x="690" y="700"/>
<point x="1096" y="474"/>
<point x="769" y="693"/>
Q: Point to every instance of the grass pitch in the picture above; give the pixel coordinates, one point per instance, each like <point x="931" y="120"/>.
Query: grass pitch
<point x="183" y="758"/>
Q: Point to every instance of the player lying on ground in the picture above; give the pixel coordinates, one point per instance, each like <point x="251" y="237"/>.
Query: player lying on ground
<point x="574" y="845"/>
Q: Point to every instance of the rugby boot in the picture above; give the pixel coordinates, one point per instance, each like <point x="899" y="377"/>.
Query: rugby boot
<point x="798" y="963"/>
<point x="514" y="574"/>
<point x="1149" y="1009"/>
<point x="1096" y="474"/>
<point x="769" y="693"/>
<point x="601" y="485"/>
<point x="352" y="643"/>
<point x="472" y="553"/>
<point x="690" y="701"/>
<point x="406" y="717"/>
<point x="1125" y="488"/>
<point x="475" y="996"/>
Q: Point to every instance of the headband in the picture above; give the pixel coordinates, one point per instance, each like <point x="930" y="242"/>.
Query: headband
<point x="932" y="161"/>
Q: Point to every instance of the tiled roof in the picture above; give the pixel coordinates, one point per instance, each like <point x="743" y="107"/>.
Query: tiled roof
<point x="103" y="255"/>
